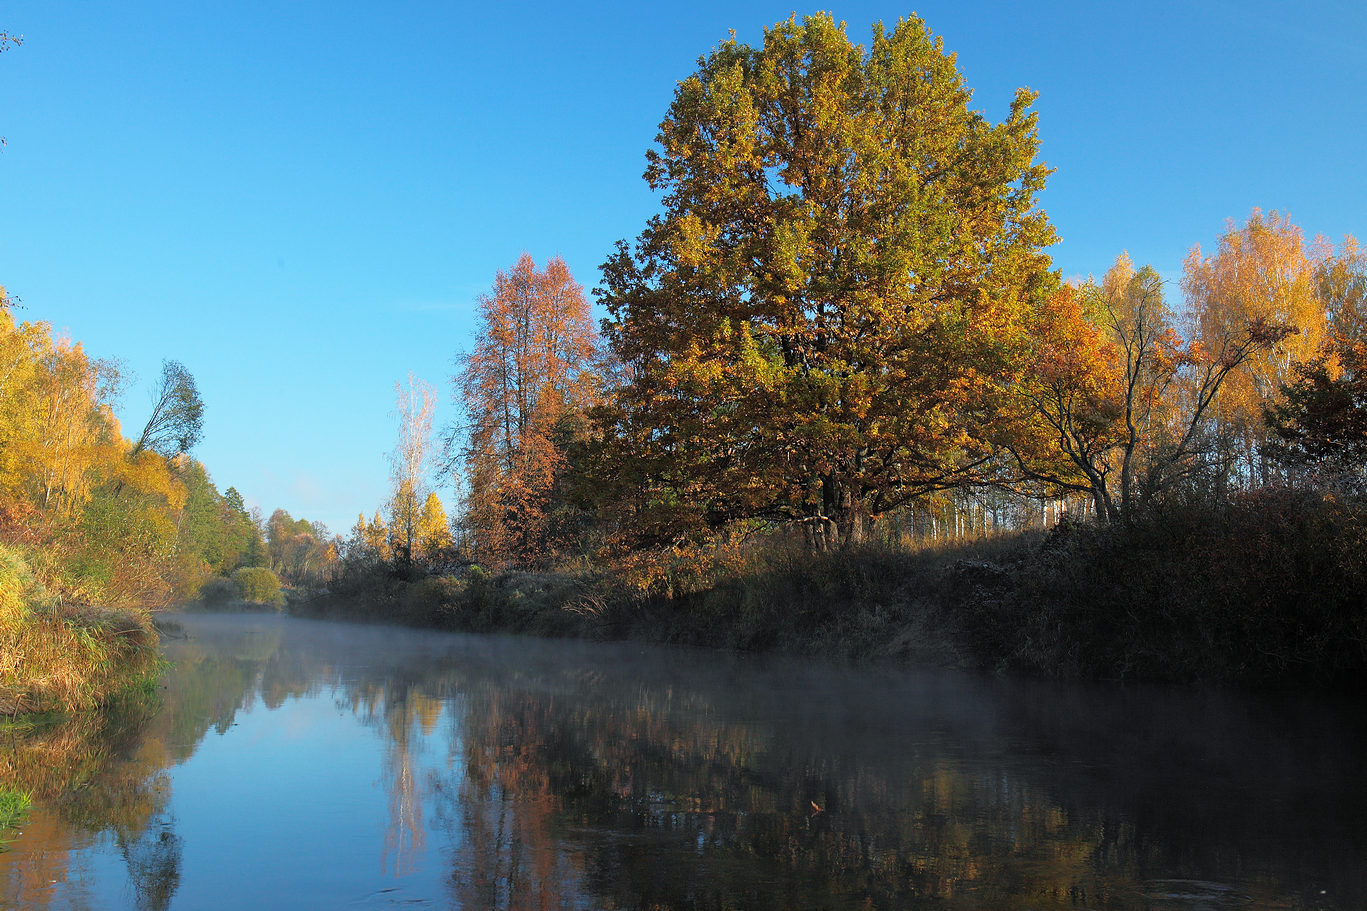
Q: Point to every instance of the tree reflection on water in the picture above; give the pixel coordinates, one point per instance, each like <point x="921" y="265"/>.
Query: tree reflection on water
<point x="541" y="775"/>
<point x="105" y="773"/>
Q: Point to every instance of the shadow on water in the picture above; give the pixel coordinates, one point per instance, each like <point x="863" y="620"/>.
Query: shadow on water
<point x="520" y="774"/>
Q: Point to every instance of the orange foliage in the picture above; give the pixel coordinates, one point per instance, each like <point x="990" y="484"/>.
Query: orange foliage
<point x="1115" y="394"/>
<point x="523" y="386"/>
<point x="1263" y="271"/>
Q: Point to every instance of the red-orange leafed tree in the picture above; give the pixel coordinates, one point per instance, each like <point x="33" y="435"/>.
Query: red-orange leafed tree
<point x="523" y="386"/>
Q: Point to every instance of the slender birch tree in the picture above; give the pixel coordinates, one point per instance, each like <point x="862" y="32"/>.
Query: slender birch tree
<point x="1263" y="270"/>
<point x="410" y="464"/>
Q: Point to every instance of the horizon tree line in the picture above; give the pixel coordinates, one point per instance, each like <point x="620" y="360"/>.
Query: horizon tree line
<point x="845" y="312"/>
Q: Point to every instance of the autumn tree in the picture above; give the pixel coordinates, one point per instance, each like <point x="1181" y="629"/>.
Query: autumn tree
<point x="24" y="348"/>
<point x="846" y="251"/>
<point x="367" y="546"/>
<point x="1320" y="420"/>
<point x="1115" y="398"/>
<point x="1341" y="281"/>
<point x="177" y="419"/>
<point x="301" y="552"/>
<point x="434" y="530"/>
<point x="375" y="536"/>
<point x="57" y="429"/>
<point x="523" y="387"/>
<point x="1262" y="271"/>
<point x="1062" y="425"/>
<point x="410" y="464"/>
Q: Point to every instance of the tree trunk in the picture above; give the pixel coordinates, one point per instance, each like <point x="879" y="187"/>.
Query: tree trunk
<point x="1101" y="502"/>
<point x="842" y="520"/>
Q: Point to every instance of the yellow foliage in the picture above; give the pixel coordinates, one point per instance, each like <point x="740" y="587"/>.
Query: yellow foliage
<point x="107" y="518"/>
<point x="149" y="474"/>
<point x="434" y="531"/>
<point x="376" y="536"/>
<point x="1263" y="270"/>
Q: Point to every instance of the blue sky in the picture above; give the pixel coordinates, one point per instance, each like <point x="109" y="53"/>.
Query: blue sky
<point x="301" y="201"/>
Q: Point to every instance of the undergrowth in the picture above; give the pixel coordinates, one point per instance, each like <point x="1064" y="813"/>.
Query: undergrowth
<point x="1264" y="589"/>
<point x="56" y="656"/>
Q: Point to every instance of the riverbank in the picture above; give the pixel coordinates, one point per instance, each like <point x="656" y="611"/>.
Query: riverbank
<point x="1266" y="590"/>
<point x="59" y="657"/>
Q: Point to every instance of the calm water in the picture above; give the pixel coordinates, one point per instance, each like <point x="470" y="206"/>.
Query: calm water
<point x="296" y="764"/>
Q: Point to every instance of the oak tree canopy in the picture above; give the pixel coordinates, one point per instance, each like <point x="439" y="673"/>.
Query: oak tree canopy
<point x="839" y="275"/>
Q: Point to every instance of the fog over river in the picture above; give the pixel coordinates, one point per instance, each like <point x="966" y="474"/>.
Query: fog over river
<point x="302" y="764"/>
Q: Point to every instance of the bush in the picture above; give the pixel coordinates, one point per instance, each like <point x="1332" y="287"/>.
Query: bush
<point x="258" y="585"/>
<point x="218" y="590"/>
<point x="1263" y="589"/>
<point x="57" y="656"/>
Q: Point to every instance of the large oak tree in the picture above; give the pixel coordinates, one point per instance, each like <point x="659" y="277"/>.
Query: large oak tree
<point x="837" y="280"/>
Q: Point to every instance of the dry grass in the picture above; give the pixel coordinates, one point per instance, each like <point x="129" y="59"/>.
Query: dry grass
<point x="56" y="657"/>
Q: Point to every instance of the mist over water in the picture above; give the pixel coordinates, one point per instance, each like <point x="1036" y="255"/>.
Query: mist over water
<point x="294" y="763"/>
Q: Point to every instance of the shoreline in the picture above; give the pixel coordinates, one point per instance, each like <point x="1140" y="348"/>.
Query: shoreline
<point x="1264" y="594"/>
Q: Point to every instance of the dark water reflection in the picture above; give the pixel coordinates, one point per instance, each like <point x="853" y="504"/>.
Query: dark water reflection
<point x="301" y="764"/>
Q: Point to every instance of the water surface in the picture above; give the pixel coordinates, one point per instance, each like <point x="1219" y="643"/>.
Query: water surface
<point x="304" y="764"/>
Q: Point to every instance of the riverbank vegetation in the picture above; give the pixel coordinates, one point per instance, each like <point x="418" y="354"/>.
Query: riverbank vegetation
<point x="1262" y="589"/>
<point x="14" y="807"/>
<point x="97" y="529"/>
<point x="841" y="403"/>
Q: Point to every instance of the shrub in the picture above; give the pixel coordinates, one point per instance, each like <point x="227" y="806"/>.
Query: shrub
<point x="1263" y="589"/>
<point x="258" y="585"/>
<point x="218" y="590"/>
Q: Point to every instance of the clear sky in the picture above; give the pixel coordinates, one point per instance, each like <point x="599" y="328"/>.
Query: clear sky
<point x="301" y="201"/>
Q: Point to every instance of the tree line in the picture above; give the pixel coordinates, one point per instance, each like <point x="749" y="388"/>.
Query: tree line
<point x="109" y="519"/>
<point x="845" y="316"/>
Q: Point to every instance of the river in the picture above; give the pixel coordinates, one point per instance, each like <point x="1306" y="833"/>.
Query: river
<point x="304" y="764"/>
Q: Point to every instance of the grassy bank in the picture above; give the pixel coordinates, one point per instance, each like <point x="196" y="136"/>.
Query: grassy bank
<point x="62" y="657"/>
<point x="1269" y="589"/>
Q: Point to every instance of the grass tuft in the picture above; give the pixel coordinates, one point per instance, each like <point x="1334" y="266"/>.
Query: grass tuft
<point x="14" y="807"/>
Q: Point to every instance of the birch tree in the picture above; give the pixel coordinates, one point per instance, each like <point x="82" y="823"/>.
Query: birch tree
<point x="410" y="463"/>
